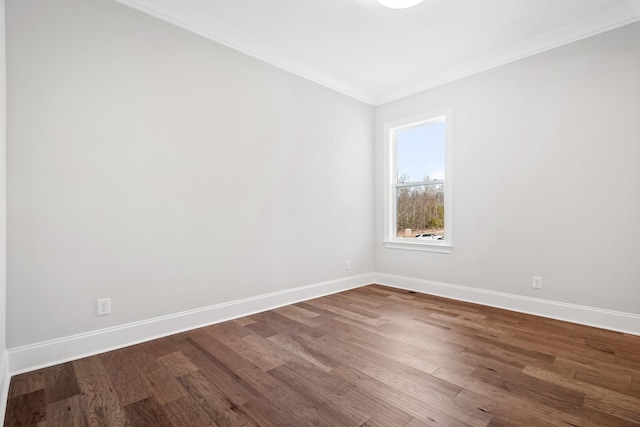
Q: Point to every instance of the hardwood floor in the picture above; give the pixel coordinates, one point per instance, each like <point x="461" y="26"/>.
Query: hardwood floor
<point x="372" y="356"/>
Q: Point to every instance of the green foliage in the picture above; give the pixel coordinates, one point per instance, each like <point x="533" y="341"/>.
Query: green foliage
<point x="420" y="207"/>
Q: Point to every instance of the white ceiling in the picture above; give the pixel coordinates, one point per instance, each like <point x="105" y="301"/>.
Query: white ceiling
<point x="376" y="54"/>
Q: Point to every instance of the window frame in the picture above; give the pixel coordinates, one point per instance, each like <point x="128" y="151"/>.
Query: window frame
<point x="390" y="197"/>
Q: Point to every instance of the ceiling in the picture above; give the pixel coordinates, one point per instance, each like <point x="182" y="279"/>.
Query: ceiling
<point x="375" y="54"/>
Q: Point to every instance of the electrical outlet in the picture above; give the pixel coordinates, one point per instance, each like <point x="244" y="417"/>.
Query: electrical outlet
<point x="347" y="265"/>
<point x="536" y="282"/>
<point x="104" y="306"/>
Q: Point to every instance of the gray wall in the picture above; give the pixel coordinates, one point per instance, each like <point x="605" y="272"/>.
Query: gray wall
<point x="167" y="172"/>
<point x="546" y="176"/>
<point x="3" y="186"/>
<point x="160" y="169"/>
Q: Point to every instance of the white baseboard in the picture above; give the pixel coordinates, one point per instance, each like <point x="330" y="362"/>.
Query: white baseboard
<point x="600" y="318"/>
<point x="5" y="379"/>
<point x="48" y="353"/>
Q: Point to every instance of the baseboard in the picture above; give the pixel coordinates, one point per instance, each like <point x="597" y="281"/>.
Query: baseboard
<point x="600" y="318"/>
<point x="5" y="379"/>
<point x="43" y="354"/>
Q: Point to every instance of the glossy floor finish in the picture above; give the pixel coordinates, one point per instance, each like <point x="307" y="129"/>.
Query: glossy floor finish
<point x="372" y="356"/>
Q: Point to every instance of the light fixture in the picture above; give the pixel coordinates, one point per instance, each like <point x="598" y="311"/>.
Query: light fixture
<point x="399" y="4"/>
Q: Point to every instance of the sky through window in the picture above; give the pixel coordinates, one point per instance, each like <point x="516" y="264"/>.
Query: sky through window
<point x="421" y="151"/>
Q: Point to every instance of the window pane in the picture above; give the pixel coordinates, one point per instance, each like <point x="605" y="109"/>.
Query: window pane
<point x="420" y="153"/>
<point x="420" y="212"/>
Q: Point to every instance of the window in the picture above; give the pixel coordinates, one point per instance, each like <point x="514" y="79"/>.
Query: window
<point x="418" y="177"/>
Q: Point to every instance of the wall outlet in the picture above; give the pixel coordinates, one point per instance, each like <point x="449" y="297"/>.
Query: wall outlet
<point x="536" y="282"/>
<point x="104" y="306"/>
<point x="347" y="265"/>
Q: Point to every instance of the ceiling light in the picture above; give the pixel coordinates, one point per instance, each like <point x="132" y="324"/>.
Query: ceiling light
<point x="399" y="4"/>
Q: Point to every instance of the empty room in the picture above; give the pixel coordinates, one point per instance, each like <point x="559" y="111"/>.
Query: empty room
<point x="320" y="213"/>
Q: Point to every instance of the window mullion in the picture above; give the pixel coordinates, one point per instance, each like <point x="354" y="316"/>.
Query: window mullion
<point x="414" y="184"/>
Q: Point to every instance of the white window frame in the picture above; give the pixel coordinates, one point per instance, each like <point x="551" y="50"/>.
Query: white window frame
<point x="390" y="199"/>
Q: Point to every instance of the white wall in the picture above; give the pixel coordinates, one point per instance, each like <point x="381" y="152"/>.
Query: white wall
<point x="546" y="176"/>
<point x="167" y="172"/>
<point x="162" y="170"/>
<point x="3" y="206"/>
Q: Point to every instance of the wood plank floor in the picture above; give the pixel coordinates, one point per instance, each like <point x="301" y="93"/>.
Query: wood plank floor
<point x="372" y="356"/>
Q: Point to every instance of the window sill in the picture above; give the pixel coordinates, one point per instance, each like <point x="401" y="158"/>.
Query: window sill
<point x="419" y="246"/>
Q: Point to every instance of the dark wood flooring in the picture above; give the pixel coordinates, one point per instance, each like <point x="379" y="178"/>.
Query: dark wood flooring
<point x="373" y="356"/>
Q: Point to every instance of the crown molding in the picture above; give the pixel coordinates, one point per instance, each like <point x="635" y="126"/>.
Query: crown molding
<point x="182" y="16"/>
<point x="193" y="21"/>
<point x="589" y="27"/>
